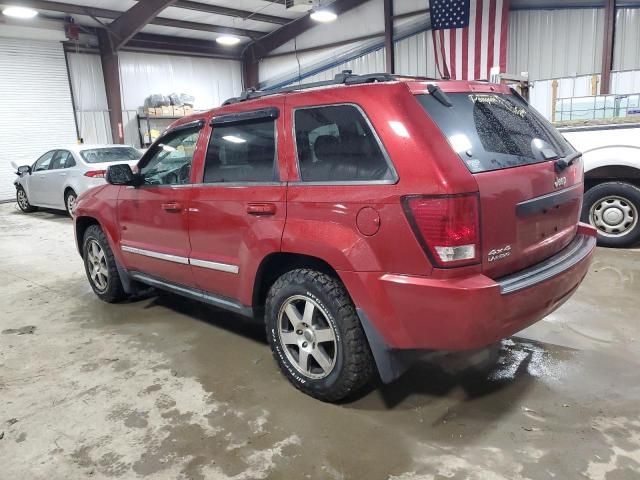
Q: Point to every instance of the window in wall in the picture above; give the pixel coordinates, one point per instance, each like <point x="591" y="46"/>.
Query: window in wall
<point x="242" y="152"/>
<point x="171" y="161"/>
<point x="336" y="144"/>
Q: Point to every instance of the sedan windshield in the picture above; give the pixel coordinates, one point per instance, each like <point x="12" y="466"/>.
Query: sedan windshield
<point x="110" y="154"/>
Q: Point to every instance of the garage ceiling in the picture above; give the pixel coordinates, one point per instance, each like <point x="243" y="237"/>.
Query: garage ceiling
<point x="248" y="19"/>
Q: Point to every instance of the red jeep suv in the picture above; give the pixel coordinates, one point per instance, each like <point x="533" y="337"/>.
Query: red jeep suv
<point x="362" y="218"/>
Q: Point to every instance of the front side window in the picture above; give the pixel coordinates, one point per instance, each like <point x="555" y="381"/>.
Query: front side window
<point x="170" y="163"/>
<point x="242" y="152"/>
<point x="43" y="162"/>
<point x="336" y="144"/>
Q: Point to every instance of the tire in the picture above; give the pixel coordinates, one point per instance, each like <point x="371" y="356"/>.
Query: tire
<point x="23" y="201"/>
<point x="106" y="285"/>
<point x="347" y="359"/>
<point x="70" y="198"/>
<point x="621" y="201"/>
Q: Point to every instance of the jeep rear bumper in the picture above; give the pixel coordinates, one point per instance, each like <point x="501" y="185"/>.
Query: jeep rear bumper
<point x="423" y="313"/>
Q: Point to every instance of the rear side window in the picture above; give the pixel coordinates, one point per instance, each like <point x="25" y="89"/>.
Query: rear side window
<point x="242" y="152"/>
<point x="110" y="154"/>
<point x="495" y="131"/>
<point x="335" y="143"/>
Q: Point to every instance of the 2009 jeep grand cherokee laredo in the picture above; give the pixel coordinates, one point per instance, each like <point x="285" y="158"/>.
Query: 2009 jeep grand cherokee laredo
<point x="366" y="217"/>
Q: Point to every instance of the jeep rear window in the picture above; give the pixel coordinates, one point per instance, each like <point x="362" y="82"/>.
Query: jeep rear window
<point x="494" y="131"/>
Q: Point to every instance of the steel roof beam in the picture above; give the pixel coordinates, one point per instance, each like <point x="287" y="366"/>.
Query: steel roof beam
<point x="74" y="9"/>
<point x="133" y="20"/>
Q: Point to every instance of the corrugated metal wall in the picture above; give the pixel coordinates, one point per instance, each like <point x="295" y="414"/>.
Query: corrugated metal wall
<point x="210" y="81"/>
<point x="35" y="104"/>
<point x="555" y="43"/>
<point x="414" y="56"/>
<point x="626" y="53"/>
<point x="369" y="63"/>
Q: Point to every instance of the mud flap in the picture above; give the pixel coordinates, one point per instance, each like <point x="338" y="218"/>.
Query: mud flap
<point x="391" y="363"/>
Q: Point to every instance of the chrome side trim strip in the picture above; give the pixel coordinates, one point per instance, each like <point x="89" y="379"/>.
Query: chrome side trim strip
<point x="222" y="267"/>
<point x="158" y="255"/>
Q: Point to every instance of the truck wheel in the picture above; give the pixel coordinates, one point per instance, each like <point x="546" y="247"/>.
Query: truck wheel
<point x="613" y="209"/>
<point x="100" y="265"/>
<point x="23" y="201"/>
<point x="316" y="337"/>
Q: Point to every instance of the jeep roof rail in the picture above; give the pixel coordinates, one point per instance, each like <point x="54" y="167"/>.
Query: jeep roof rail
<point x="346" y="77"/>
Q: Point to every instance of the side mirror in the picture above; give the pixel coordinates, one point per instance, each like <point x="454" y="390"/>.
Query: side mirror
<point x="120" y="174"/>
<point x="24" y="169"/>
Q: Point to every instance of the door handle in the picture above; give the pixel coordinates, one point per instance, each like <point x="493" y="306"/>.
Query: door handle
<point x="172" y="207"/>
<point x="261" y="209"/>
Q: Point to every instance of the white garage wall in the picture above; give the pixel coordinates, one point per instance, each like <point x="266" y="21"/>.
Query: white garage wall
<point x="626" y="52"/>
<point x="555" y="43"/>
<point x="414" y="56"/>
<point x="35" y="104"/>
<point x="211" y="81"/>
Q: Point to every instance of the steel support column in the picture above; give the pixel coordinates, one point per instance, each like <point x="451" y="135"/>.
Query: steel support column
<point x="607" y="45"/>
<point x="389" y="46"/>
<point x="111" y="74"/>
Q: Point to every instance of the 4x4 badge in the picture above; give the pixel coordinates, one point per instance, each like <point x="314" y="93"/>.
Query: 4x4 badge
<point x="560" y="182"/>
<point x="499" y="253"/>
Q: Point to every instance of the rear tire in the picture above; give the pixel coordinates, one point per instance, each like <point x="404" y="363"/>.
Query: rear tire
<point x="70" y="198"/>
<point x="23" y="201"/>
<point x="613" y="208"/>
<point x="316" y="337"/>
<point x="100" y="266"/>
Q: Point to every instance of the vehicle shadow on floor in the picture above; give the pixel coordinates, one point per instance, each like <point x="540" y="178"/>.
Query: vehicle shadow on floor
<point x="512" y="367"/>
<point x="246" y="327"/>
<point x="518" y="365"/>
<point x="47" y="214"/>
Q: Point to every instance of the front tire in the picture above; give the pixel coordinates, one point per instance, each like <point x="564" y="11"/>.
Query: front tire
<point x="70" y="198"/>
<point x="100" y="266"/>
<point x="613" y="208"/>
<point x="23" y="201"/>
<point x="316" y="337"/>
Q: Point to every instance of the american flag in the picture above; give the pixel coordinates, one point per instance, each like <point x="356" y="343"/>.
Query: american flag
<point x="469" y="37"/>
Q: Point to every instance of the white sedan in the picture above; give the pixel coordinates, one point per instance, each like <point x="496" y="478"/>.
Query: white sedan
<point x="59" y="176"/>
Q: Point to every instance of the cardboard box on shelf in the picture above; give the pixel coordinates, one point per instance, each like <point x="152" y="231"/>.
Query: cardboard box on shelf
<point x="188" y="110"/>
<point x="167" y="111"/>
<point x="153" y="112"/>
<point x="178" y="111"/>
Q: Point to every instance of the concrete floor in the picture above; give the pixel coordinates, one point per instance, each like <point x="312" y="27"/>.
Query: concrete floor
<point x="166" y="388"/>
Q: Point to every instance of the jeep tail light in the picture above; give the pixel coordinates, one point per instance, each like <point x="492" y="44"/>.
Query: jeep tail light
<point x="95" y="173"/>
<point x="448" y="227"/>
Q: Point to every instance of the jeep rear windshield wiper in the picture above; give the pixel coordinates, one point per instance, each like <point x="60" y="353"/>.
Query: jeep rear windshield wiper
<point x="564" y="162"/>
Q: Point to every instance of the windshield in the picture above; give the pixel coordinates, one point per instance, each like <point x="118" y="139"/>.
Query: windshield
<point x="493" y="131"/>
<point x="110" y="154"/>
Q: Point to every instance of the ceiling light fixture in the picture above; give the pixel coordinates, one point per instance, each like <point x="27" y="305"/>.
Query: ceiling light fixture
<point x="323" y="16"/>
<point x="228" y="40"/>
<point x="19" y="12"/>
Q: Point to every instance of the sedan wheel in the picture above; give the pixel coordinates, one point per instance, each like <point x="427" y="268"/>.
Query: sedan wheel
<point x="614" y="216"/>
<point x="97" y="265"/>
<point x="23" y="201"/>
<point x="70" y="202"/>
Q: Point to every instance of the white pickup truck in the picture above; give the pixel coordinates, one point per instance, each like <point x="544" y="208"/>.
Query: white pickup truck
<point x="611" y="158"/>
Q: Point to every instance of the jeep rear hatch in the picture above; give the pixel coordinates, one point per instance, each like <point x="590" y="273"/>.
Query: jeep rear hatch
<point x="529" y="178"/>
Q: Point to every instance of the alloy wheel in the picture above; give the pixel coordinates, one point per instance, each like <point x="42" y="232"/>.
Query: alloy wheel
<point x="71" y="203"/>
<point x="307" y="337"/>
<point x="97" y="264"/>
<point x="613" y="216"/>
<point x="22" y="199"/>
